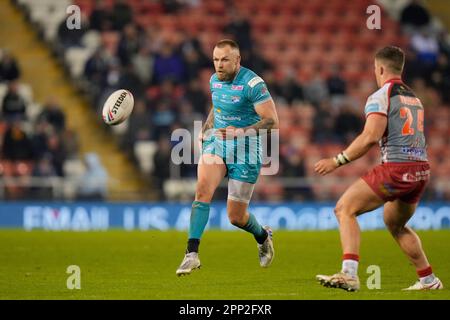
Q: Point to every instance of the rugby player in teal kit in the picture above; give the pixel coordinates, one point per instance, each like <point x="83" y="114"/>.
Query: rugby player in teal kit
<point x="242" y="110"/>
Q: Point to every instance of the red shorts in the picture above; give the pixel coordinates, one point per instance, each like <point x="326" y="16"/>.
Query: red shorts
<point x="399" y="180"/>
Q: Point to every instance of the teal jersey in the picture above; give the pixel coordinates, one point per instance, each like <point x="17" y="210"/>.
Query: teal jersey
<point x="234" y="101"/>
<point x="234" y="105"/>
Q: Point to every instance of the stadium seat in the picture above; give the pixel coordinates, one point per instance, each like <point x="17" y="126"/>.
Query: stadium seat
<point x="76" y="59"/>
<point x="179" y="189"/>
<point x="144" y="151"/>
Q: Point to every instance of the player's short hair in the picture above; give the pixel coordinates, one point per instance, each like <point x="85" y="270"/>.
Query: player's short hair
<point x="393" y="57"/>
<point x="227" y="42"/>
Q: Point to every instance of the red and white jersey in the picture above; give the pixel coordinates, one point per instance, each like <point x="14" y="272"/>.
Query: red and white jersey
<point x="404" y="139"/>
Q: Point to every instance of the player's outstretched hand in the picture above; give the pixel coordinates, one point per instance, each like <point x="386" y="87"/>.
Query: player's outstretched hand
<point x="325" y="166"/>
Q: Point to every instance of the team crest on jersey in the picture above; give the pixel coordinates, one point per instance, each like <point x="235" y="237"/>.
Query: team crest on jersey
<point x="235" y="99"/>
<point x="237" y="88"/>
<point x="217" y="85"/>
<point x="263" y="90"/>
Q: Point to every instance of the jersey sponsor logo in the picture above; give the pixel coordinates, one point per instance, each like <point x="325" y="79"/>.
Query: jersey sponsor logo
<point x="235" y="99"/>
<point x="412" y="101"/>
<point x="416" y="152"/>
<point x="217" y="85"/>
<point x="228" y="118"/>
<point x="237" y="88"/>
<point x="419" y="176"/>
<point x="253" y="82"/>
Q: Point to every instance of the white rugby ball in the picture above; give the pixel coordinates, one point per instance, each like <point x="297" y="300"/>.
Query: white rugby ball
<point x="118" y="107"/>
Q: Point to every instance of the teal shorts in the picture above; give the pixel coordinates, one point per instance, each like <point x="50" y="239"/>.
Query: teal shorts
<point x="242" y="166"/>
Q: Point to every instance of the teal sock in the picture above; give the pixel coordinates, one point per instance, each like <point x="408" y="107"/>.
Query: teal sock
<point x="199" y="219"/>
<point x="256" y="229"/>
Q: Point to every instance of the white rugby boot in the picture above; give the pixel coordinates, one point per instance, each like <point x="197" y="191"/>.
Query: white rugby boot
<point x="435" y="285"/>
<point x="339" y="280"/>
<point x="265" y="250"/>
<point x="189" y="263"/>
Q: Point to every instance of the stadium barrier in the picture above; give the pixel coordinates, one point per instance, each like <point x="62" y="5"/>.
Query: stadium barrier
<point x="99" y="216"/>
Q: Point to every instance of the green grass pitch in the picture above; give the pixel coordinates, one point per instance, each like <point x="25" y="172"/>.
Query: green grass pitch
<point x="141" y="265"/>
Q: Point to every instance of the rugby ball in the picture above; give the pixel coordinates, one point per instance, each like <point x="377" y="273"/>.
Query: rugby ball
<point x="118" y="107"/>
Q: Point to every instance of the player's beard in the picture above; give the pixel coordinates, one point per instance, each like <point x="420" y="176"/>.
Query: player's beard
<point x="225" y="76"/>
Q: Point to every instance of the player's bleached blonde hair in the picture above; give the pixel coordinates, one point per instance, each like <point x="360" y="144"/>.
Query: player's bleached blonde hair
<point x="393" y="57"/>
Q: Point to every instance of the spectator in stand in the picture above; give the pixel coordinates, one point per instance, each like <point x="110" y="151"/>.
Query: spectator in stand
<point x="71" y="37"/>
<point x="192" y="44"/>
<point x="95" y="71"/>
<point x="316" y="90"/>
<point x="161" y="160"/>
<point x="168" y="65"/>
<point x="197" y="97"/>
<point x="444" y="42"/>
<point x="253" y="59"/>
<point x="440" y="78"/>
<point x="293" y="164"/>
<point x="193" y="63"/>
<point x="53" y="115"/>
<point x="289" y="88"/>
<point x="96" y="66"/>
<point x="99" y="16"/>
<point x="129" y="44"/>
<point x="426" y="47"/>
<point x="323" y="123"/>
<point x="121" y="14"/>
<point x="58" y="153"/>
<point x="130" y="80"/>
<point x="143" y="63"/>
<point x="93" y="185"/>
<point x="163" y="118"/>
<point x="347" y="124"/>
<point x="414" y="16"/>
<point x="240" y="30"/>
<point x="39" y="143"/>
<point x="71" y="143"/>
<point x="9" y="69"/>
<point x="139" y="126"/>
<point x="186" y="115"/>
<point x="16" y="144"/>
<point x="42" y="169"/>
<point x="14" y="106"/>
<point x="335" y="83"/>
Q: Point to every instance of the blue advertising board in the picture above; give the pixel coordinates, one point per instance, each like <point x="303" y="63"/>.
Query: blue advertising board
<point x="87" y="216"/>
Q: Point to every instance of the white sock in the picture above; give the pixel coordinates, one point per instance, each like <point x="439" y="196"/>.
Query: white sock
<point x="350" y="267"/>
<point x="428" y="279"/>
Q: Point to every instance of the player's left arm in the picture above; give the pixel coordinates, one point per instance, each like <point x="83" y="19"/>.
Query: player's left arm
<point x="264" y="106"/>
<point x="373" y="131"/>
<point x="269" y="120"/>
<point x="269" y="117"/>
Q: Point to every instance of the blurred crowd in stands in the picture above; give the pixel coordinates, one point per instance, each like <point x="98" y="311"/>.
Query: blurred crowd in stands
<point x="168" y="71"/>
<point x="34" y="140"/>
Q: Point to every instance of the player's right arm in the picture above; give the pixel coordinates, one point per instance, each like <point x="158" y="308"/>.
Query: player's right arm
<point x="373" y="131"/>
<point x="209" y="121"/>
<point x="209" y="124"/>
<point x="376" y="111"/>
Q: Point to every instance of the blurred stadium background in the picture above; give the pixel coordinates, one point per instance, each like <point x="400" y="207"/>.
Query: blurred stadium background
<point x="62" y="168"/>
<point x="316" y="57"/>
